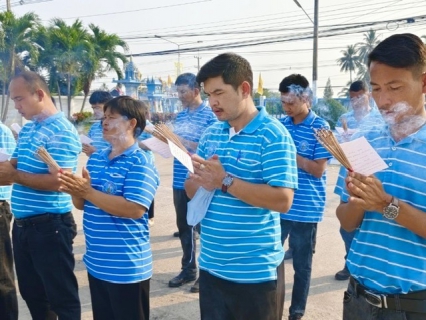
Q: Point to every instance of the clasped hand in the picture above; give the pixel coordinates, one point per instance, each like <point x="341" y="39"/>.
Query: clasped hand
<point x="75" y="185"/>
<point x="208" y="173"/>
<point x="366" y="192"/>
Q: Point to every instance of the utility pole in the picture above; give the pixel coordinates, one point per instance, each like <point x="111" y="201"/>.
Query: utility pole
<point x="8" y="8"/>
<point x="315" y="49"/>
<point x="315" y="55"/>
<point x="198" y="61"/>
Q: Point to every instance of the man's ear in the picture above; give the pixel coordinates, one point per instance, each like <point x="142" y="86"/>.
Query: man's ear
<point x="40" y="94"/>
<point x="246" y="89"/>
<point x="424" y="82"/>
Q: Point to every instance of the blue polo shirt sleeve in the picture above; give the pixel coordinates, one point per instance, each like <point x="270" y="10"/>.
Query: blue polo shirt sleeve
<point x="64" y="147"/>
<point x="340" y="188"/>
<point x="279" y="157"/>
<point x="141" y="183"/>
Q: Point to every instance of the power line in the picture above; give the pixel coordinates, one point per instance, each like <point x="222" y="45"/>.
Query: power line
<point x="138" y="10"/>
<point x="355" y="28"/>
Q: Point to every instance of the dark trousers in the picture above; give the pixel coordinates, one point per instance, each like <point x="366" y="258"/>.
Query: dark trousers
<point x="8" y="298"/>
<point x="114" y="301"/>
<point x="347" y="239"/>
<point x="303" y="242"/>
<point x="356" y="307"/>
<point x="42" y="246"/>
<point x="187" y="239"/>
<point x="151" y="210"/>
<point x="227" y="300"/>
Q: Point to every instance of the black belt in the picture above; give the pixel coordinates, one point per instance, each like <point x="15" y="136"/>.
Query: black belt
<point x="410" y="302"/>
<point x="41" y="218"/>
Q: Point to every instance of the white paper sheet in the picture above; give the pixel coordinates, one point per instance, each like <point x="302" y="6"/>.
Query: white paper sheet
<point x="85" y="139"/>
<point x="363" y="158"/>
<point x="158" y="146"/>
<point x="3" y="156"/>
<point x="16" y="127"/>
<point x="181" y="155"/>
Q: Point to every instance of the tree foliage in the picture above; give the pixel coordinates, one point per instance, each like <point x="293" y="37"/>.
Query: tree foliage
<point x="349" y="61"/>
<point x="328" y="90"/>
<point x="69" y="56"/>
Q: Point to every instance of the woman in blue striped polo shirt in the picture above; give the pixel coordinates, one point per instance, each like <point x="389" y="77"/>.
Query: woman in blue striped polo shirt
<point x="115" y="192"/>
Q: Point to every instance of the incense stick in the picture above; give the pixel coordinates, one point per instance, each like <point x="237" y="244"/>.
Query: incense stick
<point x="47" y="158"/>
<point x="344" y="125"/>
<point x="163" y="132"/>
<point x="329" y="141"/>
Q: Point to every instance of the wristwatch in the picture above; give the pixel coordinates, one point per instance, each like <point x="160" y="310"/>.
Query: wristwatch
<point x="227" y="182"/>
<point x="391" y="211"/>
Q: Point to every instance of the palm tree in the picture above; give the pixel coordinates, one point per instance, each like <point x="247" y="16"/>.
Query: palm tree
<point x="104" y="57"/>
<point x="349" y="61"/>
<point x="364" y="48"/>
<point x="18" y="48"/>
<point x="70" y="46"/>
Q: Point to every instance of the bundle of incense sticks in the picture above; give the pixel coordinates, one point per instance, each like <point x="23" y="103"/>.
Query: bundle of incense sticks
<point x="329" y="141"/>
<point x="163" y="133"/>
<point x="47" y="158"/>
<point x="344" y="125"/>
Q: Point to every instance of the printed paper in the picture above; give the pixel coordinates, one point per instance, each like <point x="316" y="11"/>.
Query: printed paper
<point x="362" y="157"/>
<point x="158" y="146"/>
<point x="181" y="155"/>
<point x="85" y="139"/>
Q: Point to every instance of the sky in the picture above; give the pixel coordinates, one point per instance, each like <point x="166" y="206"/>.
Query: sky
<point x="281" y="30"/>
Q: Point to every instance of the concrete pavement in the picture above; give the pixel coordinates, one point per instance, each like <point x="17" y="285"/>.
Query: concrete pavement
<point x="325" y="297"/>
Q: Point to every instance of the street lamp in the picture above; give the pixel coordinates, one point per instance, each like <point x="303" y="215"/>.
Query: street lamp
<point x="315" y="49"/>
<point x="178" y="45"/>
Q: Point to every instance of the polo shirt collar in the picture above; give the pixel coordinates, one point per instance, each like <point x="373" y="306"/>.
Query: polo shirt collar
<point x="308" y="121"/>
<point x="105" y="153"/>
<point x="254" y="124"/>
<point x="49" y="119"/>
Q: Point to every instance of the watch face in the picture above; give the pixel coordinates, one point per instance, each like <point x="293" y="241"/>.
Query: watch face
<point x="227" y="181"/>
<point x="391" y="212"/>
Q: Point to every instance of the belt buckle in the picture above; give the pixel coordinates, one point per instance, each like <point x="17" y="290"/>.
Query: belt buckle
<point x="376" y="300"/>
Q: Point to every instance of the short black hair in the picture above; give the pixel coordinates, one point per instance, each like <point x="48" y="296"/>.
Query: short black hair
<point x="293" y="80"/>
<point x="233" y="69"/>
<point x="100" y="96"/>
<point x="188" y="79"/>
<point x="34" y="81"/>
<point x="358" y="86"/>
<point x="131" y="108"/>
<point x="404" y="50"/>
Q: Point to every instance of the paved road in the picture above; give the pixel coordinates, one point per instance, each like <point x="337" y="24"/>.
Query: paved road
<point x="325" y="298"/>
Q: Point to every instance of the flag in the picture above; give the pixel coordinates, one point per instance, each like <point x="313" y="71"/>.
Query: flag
<point x="260" y="85"/>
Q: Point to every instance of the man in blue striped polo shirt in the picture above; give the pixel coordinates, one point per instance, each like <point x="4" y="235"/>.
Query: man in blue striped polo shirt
<point x="387" y="258"/>
<point x="189" y="126"/>
<point x="364" y="118"/>
<point x="249" y="161"/>
<point x="8" y="299"/>
<point x="300" y="222"/>
<point x="44" y="227"/>
<point x="97" y="100"/>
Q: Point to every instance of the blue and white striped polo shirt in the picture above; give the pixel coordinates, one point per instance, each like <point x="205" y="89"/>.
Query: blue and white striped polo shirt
<point x="95" y="133"/>
<point x="190" y="125"/>
<point x="239" y="242"/>
<point x="118" y="249"/>
<point x="309" y="198"/>
<point x="370" y="120"/>
<point x="8" y="144"/>
<point x="385" y="256"/>
<point x="59" y="137"/>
